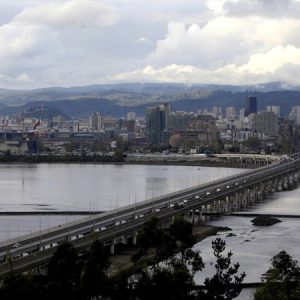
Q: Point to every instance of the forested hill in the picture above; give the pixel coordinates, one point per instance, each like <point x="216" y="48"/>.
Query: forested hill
<point x="82" y="101"/>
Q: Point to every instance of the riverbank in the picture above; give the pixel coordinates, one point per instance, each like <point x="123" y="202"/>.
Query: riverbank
<point x="121" y="262"/>
<point x="218" y="160"/>
<point x="71" y="159"/>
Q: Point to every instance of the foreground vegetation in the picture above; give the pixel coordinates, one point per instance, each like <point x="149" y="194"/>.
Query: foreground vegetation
<point x="169" y="276"/>
<point x="283" y="280"/>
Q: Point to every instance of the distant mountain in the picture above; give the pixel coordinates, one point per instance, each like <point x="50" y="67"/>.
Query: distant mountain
<point x="75" y="109"/>
<point x="132" y="94"/>
<point x="284" y="99"/>
<point x="188" y="101"/>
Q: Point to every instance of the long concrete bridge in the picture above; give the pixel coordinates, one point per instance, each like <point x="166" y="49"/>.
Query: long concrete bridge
<point x="121" y="225"/>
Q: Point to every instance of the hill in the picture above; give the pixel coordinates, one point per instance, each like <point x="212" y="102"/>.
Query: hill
<point x="117" y="99"/>
<point x="82" y="107"/>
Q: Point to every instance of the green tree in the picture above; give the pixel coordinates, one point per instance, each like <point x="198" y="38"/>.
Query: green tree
<point x="94" y="279"/>
<point x="151" y="235"/>
<point x="27" y="287"/>
<point x="173" y="279"/>
<point x="64" y="272"/>
<point x="225" y="284"/>
<point x="282" y="281"/>
<point x="182" y="232"/>
<point x="253" y="143"/>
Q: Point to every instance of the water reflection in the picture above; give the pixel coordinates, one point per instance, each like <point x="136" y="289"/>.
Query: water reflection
<point x="94" y="186"/>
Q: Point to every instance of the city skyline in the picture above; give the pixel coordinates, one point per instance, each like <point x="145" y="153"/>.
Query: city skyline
<point x="70" y="43"/>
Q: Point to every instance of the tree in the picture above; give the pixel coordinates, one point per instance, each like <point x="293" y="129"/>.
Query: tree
<point x="64" y="272"/>
<point x="151" y="235"/>
<point x="253" y="143"/>
<point x="225" y="284"/>
<point x="27" y="287"/>
<point x="94" y="280"/>
<point x="283" y="280"/>
<point x="182" y="232"/>
<point x="173" y="279"/>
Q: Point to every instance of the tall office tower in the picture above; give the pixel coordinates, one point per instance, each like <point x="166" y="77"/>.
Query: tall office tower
<point x="242" y="113"/>
<point x="217" y="110"/>
<point x="230" y="112"/>
<point x="156" y="123"/>
<point x="131" y="115"/>
<point x="274" y="108"/>
<point x="75" y="126"/>
<point x="178" y="121"/>
<point x="96" y="121"/>
<point x="266" y="122"/>
<point x="294" y="114"/>
<point x="250" y="105"/>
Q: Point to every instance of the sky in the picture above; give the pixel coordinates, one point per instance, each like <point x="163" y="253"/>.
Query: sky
<point x="83" y="42"/>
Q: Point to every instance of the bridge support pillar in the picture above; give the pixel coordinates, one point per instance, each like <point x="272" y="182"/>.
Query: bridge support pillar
<point x="285" y="183"/>
<point x="229" y="205"/>
<point x="124" y="240"/>
<point x="280" y="184"/>
<point x="134" y="238"/>
<point x="112" y="246"/>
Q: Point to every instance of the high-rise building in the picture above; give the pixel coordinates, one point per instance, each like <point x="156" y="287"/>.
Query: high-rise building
<point x="250" y="105"/>
<point x="179" y="121"/>
<point x="242" y="113"/>
<point x="266" y="122"/>
<point x="217" y="110"/>
<point x="96" y="121"/>
<point x="131" y="115"/>
<point x="274" y="108"/>
<point x="76" y="126"/>
<point x="230" y="112"/>
<point x="156" y="123"/>
<point x="294" y="114"/>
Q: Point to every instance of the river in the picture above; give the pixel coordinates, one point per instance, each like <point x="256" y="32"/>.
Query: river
<point x="252" y="246"/>
<point x="86" y="187"/>
<point x="81" y="187"/>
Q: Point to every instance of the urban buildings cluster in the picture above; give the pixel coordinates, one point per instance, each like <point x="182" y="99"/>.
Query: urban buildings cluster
<point x="211" y="130"/>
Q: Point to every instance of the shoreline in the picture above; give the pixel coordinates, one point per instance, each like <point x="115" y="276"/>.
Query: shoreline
<point x="60" y="160"/>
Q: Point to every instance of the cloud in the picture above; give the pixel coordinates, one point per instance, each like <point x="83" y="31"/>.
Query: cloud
<point x="144" y="40"/>
<point x="269" y="8"/>
<point x="91" y="41"/>
<point x="70" y="13"/>
<point x="221" y="41"/>
<point x="41" y="42"/>
<point x="273" y="65"/>
<point x="24" y="41"/>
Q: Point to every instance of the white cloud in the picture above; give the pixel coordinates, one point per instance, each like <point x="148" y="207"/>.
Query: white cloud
<point x="222" y="40"/>
<point x="82" y="41"/>
<point x="144" y="40"/>
<point x="33" y="49"/>
<point x="268" y="8"/>
<point x="22" y="41"/>
<point x="271" y="61"/>
<point x="273" y="65"/>
<point x="70" y="13"/>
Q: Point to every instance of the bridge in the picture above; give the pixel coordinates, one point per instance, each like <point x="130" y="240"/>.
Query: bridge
<point x="121" y="225"/>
